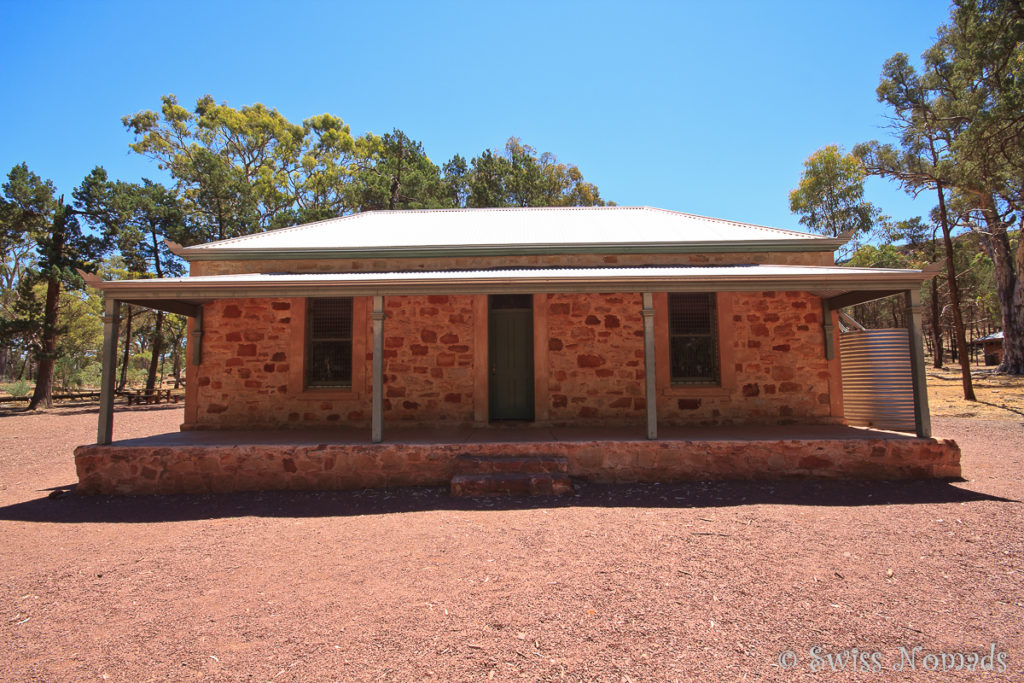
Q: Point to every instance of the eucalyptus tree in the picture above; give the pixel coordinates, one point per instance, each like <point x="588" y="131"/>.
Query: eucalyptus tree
<point x="240" y="171"/>
<point x="830" y="196"/>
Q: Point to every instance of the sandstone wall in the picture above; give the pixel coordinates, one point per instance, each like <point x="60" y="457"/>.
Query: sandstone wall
<point x="428" y="359"/>
<point x="591" y="360"/>
<point x="140" y="469"/>
<point x="773" y="366"/>
<point x="595" y="358"/>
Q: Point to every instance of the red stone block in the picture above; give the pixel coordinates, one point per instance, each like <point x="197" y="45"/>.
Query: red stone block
<point x="790" y="387"/>
<point x="437" y="299"/>
<point x="204" y="381"/>
<point x="281" y="306"/>
<point x="449" y="338"/>
<point x="623" y="402"/>
<point x="419" y="349"/>
<point x="395" y="391"/>
<point x="781" y="347"/>
<point x="586" y="360"/>
<point x="232" y="311"/>
<point x="268" y="367"/>
<point x="246" y="350"/>
<point x="604" y="372"/>
<point x="558" y="309"/>
<point x="233" y="362"/>
<point x="554" y="344"/>
<point x="453" y="398"/>
<point x="279" y="356"/>
<point x="233" y="337"/>
<point x="592" y="320"/>
<point x="216" y="408"/>
<point x="428" y="336"/>
<point x="587" y="412"/>
<point x="394" y="342"/>
<point x="759" y="330"/>
<point x="688" y="403"/>
<point x="445" y="360"/>
<point x="612" y="322"/>
<point x="244" y="373"/>
<point x="751" y="390"/>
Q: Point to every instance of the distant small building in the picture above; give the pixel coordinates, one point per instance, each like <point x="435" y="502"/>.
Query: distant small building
<point x="992" y="347"/>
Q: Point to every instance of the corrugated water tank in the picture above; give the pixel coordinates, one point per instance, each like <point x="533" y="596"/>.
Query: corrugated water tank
<point x="878" y="387"/>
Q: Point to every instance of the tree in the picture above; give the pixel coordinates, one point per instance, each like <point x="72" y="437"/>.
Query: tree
<point x="398" y="175"/>
<point x="976" y="70"/>
<point x="137" y="219"/>
<point x="921" y="163"/>
<point x="518" y="176"/>
<point x="830" y="196"/>
<point x="61" y="248"/>
<point x="240" y="171"/>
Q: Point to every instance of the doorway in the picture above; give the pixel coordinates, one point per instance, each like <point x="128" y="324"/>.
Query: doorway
<point x="510" y="351"/>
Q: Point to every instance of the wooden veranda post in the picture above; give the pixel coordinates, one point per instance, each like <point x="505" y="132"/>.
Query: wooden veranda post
<point x="922" y="418"/>
<point x="111" y="320"/>
<point x="650" y="376"/>
<point x="377" y="411"/>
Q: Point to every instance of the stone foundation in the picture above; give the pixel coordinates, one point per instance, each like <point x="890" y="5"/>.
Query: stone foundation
<point x="139" y="468"/>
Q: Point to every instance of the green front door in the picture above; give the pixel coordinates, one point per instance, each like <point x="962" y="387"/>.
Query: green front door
<point x="510" y="335"/>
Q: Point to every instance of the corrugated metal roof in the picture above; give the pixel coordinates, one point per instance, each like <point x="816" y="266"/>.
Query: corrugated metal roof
<point x="554" y="226"/>
<point x="527" y="274"/>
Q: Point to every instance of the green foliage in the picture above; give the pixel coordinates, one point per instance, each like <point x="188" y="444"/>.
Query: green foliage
<point x="240" y="171"/>
<point x="19" y="389"/>
<point x="518" y="176"/>
<point x="398" y="175"/>
<point x="830" y="196"/>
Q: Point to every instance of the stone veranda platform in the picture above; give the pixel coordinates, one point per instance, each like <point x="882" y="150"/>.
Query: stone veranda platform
<point x="222" y="461"/>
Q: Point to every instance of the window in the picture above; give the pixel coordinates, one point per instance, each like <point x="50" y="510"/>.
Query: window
<point x="693" y="339"/>
<point x="329" y="343"/>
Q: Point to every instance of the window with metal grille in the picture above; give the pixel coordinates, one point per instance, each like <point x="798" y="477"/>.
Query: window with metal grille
<point x="329" y="342"/>
<point x="693" y="338"/>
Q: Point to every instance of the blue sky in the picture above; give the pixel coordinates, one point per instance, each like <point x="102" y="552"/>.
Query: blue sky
<point x="703" y="107"/>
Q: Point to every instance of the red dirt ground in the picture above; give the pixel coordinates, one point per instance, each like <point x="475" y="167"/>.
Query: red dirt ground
<point x="703" y="582"/>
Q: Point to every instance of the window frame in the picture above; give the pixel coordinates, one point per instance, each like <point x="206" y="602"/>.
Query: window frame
<point x="726" y="383"/>
<point x="309" y="382"/>
<point x="714" y="378"/>
<point x="298" y="355"/>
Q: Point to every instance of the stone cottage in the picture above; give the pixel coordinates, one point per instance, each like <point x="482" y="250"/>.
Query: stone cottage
<point x="629" y="343"/>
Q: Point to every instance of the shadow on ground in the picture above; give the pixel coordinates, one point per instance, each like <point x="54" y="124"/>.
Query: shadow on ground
<point x="62" y="505"/>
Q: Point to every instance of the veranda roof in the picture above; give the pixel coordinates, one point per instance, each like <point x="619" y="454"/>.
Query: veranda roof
<point x="833" y="282"/>
<point x="449" y="232"/>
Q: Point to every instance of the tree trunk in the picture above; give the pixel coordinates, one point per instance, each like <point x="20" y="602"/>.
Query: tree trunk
<point x="954" y="300"/>
<point x="154" y="358"/>
<point x="48" y="352"/>
<point x="936" y="330"/>
<point x="127" y="347"/>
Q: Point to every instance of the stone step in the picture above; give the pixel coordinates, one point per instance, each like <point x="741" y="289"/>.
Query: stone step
<point x="525" y="464"/>
<point x="511" y="484"/>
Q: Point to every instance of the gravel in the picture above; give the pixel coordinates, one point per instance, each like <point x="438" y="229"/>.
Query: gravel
<point x="702" y="581"/>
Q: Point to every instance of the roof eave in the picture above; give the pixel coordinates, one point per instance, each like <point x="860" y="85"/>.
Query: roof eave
<point x="183" y="290"/>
